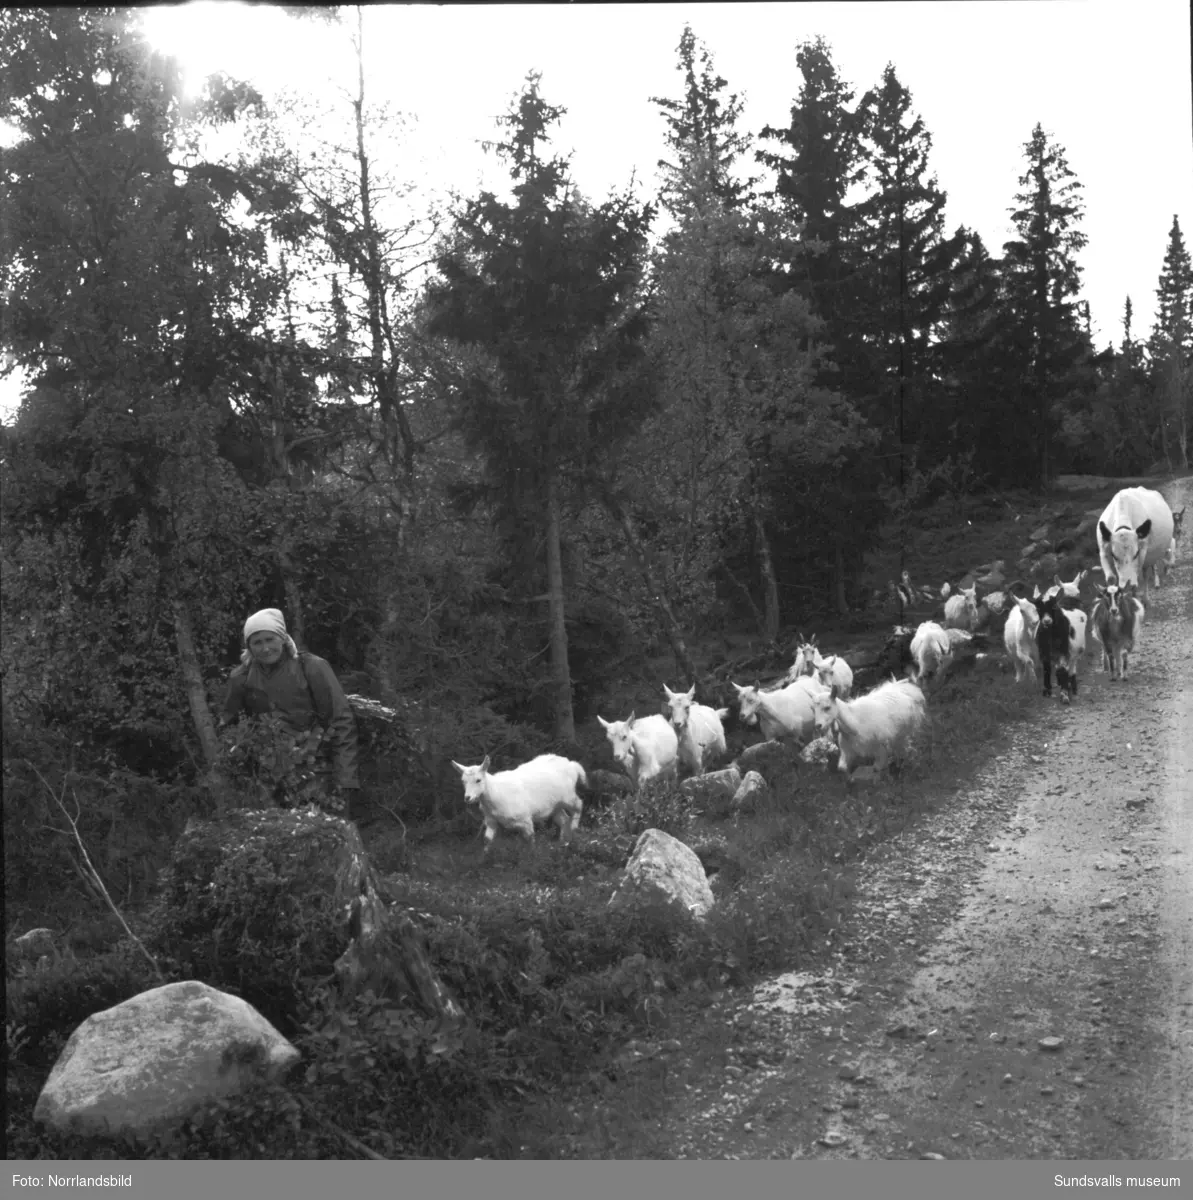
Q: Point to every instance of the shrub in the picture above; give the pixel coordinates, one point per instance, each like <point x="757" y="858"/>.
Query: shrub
<point x="127" y="821"/>
<point x="45" y="1005"/>
<point x="659" y="805"/>
<point x="253" y="932"/>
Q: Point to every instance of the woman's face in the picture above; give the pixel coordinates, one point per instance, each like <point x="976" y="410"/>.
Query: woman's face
<point x="266" y="648"/>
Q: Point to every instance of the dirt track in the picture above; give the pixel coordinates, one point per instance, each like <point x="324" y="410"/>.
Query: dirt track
<point x="978" y="936"/>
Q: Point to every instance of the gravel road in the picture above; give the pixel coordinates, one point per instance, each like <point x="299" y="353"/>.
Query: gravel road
<point x="1016" y="981"/>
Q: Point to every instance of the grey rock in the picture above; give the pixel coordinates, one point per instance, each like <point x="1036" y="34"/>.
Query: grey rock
<point x="151" y="1061"/>
<point x="664" y="870"/>
<point x="753" y="789"/>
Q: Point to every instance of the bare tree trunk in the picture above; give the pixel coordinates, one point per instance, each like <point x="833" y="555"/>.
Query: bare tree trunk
<point x="192" y="679"/>
<point x="393" y="416"/>
<point x="565" y="723"/>
<point x="770" y="584"/>
<point x="679" y="647"/>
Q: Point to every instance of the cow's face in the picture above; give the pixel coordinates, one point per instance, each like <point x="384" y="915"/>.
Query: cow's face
<point x="1126" y="548"/>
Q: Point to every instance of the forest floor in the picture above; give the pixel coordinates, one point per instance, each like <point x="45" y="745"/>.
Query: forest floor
<point x="1014" y="979"/>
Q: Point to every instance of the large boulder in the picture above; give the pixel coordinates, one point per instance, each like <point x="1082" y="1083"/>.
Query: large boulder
<point x="662" y="870"/>
<point x="713" y="791"/>
<point x="151" y="1061"/>
<point x="264" y="898"/>
<point x="712" y="785"/>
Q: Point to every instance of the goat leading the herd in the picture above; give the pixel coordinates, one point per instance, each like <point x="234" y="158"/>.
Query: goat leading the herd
<point x="1137" y="534"/>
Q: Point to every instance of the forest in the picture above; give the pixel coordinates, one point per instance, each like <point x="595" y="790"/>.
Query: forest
<point x="491" y="460"/>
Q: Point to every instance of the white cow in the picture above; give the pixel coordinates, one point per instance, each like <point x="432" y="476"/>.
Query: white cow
<point x="1133" y="537"/>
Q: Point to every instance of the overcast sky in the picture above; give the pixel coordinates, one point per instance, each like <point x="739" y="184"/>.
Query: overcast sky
<point x="1110" y="81"/>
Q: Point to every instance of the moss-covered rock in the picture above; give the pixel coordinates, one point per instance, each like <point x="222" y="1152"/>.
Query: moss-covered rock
<point x="269" y="901"/>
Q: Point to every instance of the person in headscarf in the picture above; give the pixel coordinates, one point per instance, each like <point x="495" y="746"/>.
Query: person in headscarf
<point x="302" y="691"/>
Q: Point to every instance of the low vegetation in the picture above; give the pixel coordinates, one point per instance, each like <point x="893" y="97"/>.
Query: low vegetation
<point x="555" y="984"/>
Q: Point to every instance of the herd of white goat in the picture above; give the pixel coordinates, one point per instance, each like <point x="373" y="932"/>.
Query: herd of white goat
<point x="1137" y="537"/>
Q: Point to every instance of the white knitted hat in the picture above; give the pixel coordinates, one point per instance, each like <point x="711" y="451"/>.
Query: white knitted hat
<point x="268" y="620"/>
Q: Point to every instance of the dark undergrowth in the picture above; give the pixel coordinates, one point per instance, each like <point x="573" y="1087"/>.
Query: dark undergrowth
<point x="556" y="984"/>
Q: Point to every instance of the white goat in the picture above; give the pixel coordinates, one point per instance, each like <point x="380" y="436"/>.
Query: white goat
<point x="835" y="674"/>
<point x="1019" y="637"/>
<point x="1070" y="593"/>
<point x="645" y="748"/>
<point x="961" y="611"/>
<point x="876" y="728"/>
<point x="833" y="671"/>
<point x="805" y="658"/>
<point x="931" y="651"/>
<point x="699" y="728"/>
<point x="783" y="714"/>
<point x="538" y="791"/>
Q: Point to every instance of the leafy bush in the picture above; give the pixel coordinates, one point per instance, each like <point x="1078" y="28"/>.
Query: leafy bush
<point x="659" y="805"/>
<point x="127" y="821"/>
<point x="268" y="764"/>
<point x="231" y="916"/>
<point x="45" y="1005"/>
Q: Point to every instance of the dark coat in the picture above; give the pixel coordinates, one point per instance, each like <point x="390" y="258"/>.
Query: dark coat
<point x="301" y="693"/>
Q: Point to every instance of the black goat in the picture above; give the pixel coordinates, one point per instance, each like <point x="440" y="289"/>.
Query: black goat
<point x="1054" y="641"/>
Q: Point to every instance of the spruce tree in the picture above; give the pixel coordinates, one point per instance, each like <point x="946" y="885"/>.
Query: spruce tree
<point x="816" y="162"/>
<point x="1042" y="337"/>
<point x="548" y="290"/>
<point x="908" y="260"/>
<point x="703" y="142"/>
<point x="1171" y="345"/>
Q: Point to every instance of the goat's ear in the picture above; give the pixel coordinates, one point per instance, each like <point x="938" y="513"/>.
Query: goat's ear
<point x="630" y="719"/>
<point x="485" y="765"/>
<point x="691" y="692"/>
<point x="757" y="685"/>
<point x="458" y="767"/>
<point x="604" y="723"/>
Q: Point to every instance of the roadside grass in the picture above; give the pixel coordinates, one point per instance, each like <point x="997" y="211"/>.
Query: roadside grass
<point x="600" y="981"/>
